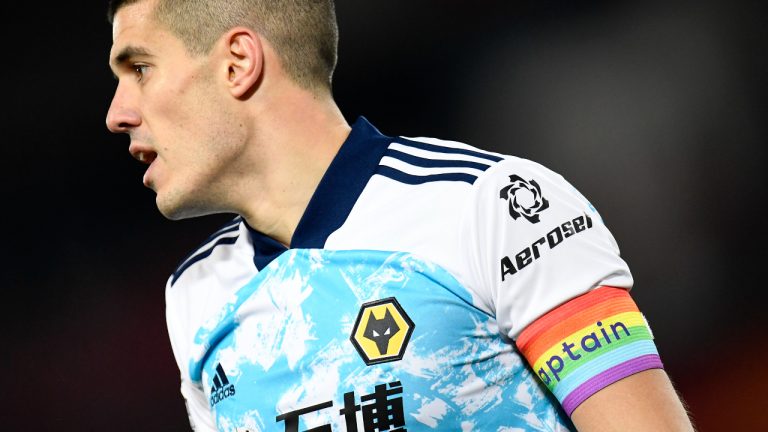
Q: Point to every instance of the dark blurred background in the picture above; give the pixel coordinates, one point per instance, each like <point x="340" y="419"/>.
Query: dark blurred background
<point x="654" y="110"/>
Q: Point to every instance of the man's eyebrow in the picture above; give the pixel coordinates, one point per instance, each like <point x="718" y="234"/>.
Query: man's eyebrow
<point x="127" y="53"/>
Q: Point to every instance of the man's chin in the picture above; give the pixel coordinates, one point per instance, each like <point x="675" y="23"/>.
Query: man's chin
<point x="178" y="211"/>
<point x="174" y="216"/>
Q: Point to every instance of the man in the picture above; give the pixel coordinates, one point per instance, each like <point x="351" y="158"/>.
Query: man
<point x="368" y="283"/>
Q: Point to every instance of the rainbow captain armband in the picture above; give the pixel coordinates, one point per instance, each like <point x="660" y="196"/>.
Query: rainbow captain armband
<point x="588" y="343"/>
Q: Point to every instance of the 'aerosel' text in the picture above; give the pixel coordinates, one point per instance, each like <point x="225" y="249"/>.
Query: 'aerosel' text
<point x="510" y="266"/>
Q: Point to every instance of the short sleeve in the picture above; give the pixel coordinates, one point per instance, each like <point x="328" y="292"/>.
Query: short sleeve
<point x="177" y="317"/>
<point x="534" y="242"/>
<point x="548" y="268"/>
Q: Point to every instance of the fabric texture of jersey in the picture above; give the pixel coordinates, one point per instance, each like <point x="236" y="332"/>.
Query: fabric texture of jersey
<point x="415" y="266"/>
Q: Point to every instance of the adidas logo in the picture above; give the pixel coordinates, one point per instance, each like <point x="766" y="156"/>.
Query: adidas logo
<point x="221" y="388"/>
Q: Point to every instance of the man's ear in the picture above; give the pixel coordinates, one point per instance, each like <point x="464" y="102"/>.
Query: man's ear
<point x="244" y="60"/>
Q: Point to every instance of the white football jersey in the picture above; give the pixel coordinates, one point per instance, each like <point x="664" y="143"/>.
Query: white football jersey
<point x="416" y="265"/>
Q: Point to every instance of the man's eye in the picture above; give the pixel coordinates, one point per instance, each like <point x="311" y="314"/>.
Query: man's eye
<point x="140" y="71"/>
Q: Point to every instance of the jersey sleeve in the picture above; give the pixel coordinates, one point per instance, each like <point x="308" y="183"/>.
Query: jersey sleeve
<point x="177" y="319"/>
<point x="534" y="243"/>
<point x="549" y="270"/>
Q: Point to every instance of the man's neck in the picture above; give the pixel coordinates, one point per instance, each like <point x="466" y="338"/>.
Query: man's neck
<point x="297" y="137"/>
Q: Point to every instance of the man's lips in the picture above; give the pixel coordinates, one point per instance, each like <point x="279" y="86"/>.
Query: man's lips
<point x="146" y="180"/>
<point x="144" y="154"/>
<point x="146" y="157"/>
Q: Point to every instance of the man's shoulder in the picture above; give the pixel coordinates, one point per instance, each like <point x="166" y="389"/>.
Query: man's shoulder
<point x="425" y="160"/>
<point x="206" y="278"/>
<point x="209" y="251"/>
<point x="458" y="160"/>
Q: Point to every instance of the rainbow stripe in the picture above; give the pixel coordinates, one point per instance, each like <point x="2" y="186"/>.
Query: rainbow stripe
<point x="588" y="343"/>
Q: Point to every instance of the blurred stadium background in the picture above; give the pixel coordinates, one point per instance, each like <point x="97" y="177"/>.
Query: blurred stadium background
<point x="655" y="110"/>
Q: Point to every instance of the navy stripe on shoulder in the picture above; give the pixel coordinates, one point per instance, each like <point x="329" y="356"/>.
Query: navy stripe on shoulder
<point x="411" y="179"/>
<point x="434" y="163"/>
<point x="202" y="252"/>
<point x="230" y="226"/>
<point x="201" y="256"/>
<point x="442" y="149"/>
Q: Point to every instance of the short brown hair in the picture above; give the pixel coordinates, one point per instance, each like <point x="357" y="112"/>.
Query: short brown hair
<point x="303" y="32"/>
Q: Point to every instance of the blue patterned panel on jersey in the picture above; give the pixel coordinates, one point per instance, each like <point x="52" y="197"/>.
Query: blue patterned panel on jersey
<point x="363" y="341"/>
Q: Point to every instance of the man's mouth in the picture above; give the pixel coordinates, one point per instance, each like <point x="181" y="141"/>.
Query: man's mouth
<point x="146" y="156"/>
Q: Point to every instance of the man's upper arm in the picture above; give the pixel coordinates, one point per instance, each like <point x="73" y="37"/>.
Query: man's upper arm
<point x="596" y="354"/>
<point x="645" y="401"/>
<point x="550" y="270"/>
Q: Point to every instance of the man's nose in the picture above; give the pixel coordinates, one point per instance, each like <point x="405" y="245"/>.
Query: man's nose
<point x="122" y="115"/>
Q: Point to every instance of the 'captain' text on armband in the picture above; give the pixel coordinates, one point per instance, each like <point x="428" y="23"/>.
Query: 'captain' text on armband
<point x="510" y="266"/>
<point x="576" y="350"/>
